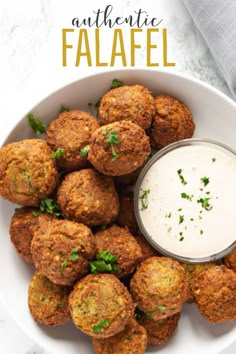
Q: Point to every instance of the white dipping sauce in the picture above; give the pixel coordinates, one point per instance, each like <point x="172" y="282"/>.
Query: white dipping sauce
<point x="187" y="201"/>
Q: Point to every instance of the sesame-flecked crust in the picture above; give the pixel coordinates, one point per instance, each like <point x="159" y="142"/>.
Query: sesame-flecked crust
<point x="132" y="340"/>
<point x="99" y="297"/>
<point x="87" y="196"/>
<point x="158" y="332"/>
<point x="173" y="121"/>
<point x="134" y="103"/>
<point x="158" y="284"/>
<point x="54" y="242"/>
<point x="126" y="216"/>
<point x="131" y="154"/>
<point x="48" y="302"/>
<point x="23" y="224"/>
<point x="192" y="271"/>
<point x="214" y="291"/>
<point x="120" y="243"/>
<point x="27" y="172"/>
<point x="230" y="260"/>
<point x="71" y="131"/>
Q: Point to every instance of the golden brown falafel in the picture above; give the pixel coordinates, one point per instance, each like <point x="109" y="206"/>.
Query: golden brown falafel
<point x="23" y="224"/>
<point x="120" y="243"/>
<point x="100" y="305"/>
<point x="27" y="172"/>
<point x="173" y="121"/>
<point x="214" y="291"/>
<point x="87" y="196"/>
<point x="132" y="340"/>
<point x="118" y="148"/>
<point x="71" y="131"/>
<point x="61" y="250"/>
<point x="134" y="103"/>
<point x="230" y="260"/>
<point x="147" y="250"/>
<point x="48" y="302"/>
<point x="158" y="332"/>
<point x="159" y="287"/>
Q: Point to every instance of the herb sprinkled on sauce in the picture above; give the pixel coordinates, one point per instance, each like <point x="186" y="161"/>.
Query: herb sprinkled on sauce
<point x="181" y="177"/>
<point x="205" y="181"/>
<point x="144" y="198"/>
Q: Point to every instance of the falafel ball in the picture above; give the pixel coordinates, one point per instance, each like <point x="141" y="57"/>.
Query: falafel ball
<point x="192" y="271"/>
<point x="147" y="250"/>
<point x="230" y="260"/>
<point x="71" y="131"/>
<point x="130" y="178"/>
<point x="132" y="340"/>
<point x="120" y="243"/>
<point x="27" y="172"/>
<point x="87" y="196"/>
<point x="126" y="216"/>
<point x="134" y="103"/>
<point x="118" y="148"/>
<point x="159" y="287"/>
<point x="61" y="250"/>
<point x="48" y="302"/>
<point x="24" y="222"/>
<point x="173" y="121"/>
<point x="100" y="305"/>
<point x="158" y="332"/>
<point x="214" y="291"/>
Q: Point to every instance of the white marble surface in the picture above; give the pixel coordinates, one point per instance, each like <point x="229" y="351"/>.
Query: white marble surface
<point x="30" y="67"/>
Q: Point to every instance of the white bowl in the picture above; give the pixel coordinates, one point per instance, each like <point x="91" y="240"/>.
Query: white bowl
<point x="215" y="117"/>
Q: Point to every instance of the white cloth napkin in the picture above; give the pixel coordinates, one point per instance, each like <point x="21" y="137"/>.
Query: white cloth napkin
<point x="216" y="20"/>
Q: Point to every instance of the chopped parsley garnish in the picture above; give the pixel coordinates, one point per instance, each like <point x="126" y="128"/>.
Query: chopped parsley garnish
<point x="16" y="209"/>
<point x="201" y="232"/>
<point x="181" y="219"/>
<point x="97" y="104"/>
<point x="74" y="255"/>
<point x="63" y="109"/>
<point x="60" y="304"/>
<point x="64" y="264"/>
<point x="181" y="177"/>
<point x="187" y="196"/>
<point x="114" y="154"/>
<point x="161" y="308"/>
<point x="104" y="262"/>
<point x="213" y="159"/>
<point x="168" y="215"/>
<point x="179" y="209"/>
<point x="84" y="151"/>
<point x="205" y="181"/>
<point x="100" y="325"/>
<point x="205" y="203"/>
<point x="48" y="205"/>
<point x="181" y="237"/>
<point x="141" y="314"/>
<point x="106" y="131"/>
<point x="36" y="124"/>
<point x="59" y="152"/>
<point x="192" y="219"/>
<point x="35" y="213"/>
<point x="116" y="83"/>
<point x="144" y="198"/>
<point x="113" y="138"/>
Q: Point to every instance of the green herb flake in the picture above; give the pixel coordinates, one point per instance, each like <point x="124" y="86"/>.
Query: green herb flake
<point x="144" y="198"/>
<point x="60" y="304"/>
<point x="205" y="181"/>
<point x="181" y="238"/>
<point x="59" y="152"/>
<point x="192" y="219"/>
<point x="105" y="262"/>
<point x="213" y="159"/>
<point x="106" y="131"/>
<point x="128" y="337"/>
<point x="113" y="138"/>
<point x="84" y="151"/>
<point x="97" y="104"/>
<point x="207" y="193"/>
<point x="106" y="256"/>
<point x="205" y="203"/>
<point x="186" y="196"/>
<point x="115" y="155"/>
<point x="182" y="180"/>
<point x="63" y="109"/>
<point x="161" y="308"/>
<point x="48" y="205"/>
<point x="201" y="232"/>
<point x="168" y="215"/>
<point x="16" y="209"/>
<point x="64" y="264"/>
<point x="103" y="323"/>
<point x="180" y="209"/>
<point x="74" y="255"/>
<point x="116" y="83"/>
<point x="181" y="219"/>
<point x="36" y="124"/>
<point x="35" y="213"/>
